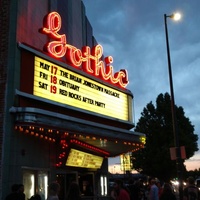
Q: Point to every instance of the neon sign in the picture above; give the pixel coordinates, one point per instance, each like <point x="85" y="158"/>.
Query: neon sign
<point x="89" y="60"/>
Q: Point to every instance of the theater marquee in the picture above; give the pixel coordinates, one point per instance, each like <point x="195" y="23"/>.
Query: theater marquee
<point x="59" y="84"/>
<point x="81" y="78"/>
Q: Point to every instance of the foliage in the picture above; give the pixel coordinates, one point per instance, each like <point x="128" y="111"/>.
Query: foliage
<point x="156" y="123"/>
<point x="194" y="173"/>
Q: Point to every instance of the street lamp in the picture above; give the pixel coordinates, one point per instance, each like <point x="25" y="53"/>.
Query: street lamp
<point x="174" y="119"/>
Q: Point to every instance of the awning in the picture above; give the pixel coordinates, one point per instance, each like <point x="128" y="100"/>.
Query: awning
<point x="102" y="139"/>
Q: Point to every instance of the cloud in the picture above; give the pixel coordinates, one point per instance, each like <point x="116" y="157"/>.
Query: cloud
<point x="133" y="33"/>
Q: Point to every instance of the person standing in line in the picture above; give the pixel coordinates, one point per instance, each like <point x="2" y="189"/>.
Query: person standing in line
<point x="153" y="194"/>
<point x="191" y="192"/>
<point x="21" y="192"/>
<point x="160" y="188"/>
<point x="167" y="193"/>
<point x="136" y="189"/>
<point x="53" y="191"/>
<point x="14" y="193"/>
<point x="121" y="193"/>
<point x="74" y="192"/>
<point x="113" y="194"/>
<point x="36" y="197"/>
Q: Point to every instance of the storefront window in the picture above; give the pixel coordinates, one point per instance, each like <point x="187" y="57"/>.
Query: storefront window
<point x="104" y="187"/>
<point x="42" y="185"/>
<point x="35" y="182"/>
<point x="29" y="184"/>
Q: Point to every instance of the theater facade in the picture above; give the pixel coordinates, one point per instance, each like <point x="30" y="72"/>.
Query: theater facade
<point x="64" y="108"/>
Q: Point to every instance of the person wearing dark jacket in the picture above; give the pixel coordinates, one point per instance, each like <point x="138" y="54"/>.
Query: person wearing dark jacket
<point x="191" y="192"/>
<point x="74" y="192"/>
<point x="167" y="193"/>
<point x="14" y="193"/>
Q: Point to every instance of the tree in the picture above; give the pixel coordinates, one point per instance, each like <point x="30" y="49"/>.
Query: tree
<point x="156" y="123"/>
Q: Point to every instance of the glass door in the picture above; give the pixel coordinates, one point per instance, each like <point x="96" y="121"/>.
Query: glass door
<point x="65" y="179"/>
<point x="35" y="182"/>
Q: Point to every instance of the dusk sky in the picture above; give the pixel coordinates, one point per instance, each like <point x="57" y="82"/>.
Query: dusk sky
<point x="132" y="32"/>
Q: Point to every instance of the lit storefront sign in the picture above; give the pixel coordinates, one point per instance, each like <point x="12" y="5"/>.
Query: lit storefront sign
<point x="78" y="158"/>
<point x="64" y="86"/>
<point x="125" y="162"/>
<point x="89" y="60"/>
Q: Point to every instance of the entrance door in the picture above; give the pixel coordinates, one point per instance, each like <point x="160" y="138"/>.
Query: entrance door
<point x="64" y="179"/>
<point x="35" y="181"/>
<point x="86" y="183"/>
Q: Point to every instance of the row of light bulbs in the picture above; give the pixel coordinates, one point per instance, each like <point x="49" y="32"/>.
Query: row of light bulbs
<point x="51" y="134"/>
<point x="42" y="133"/>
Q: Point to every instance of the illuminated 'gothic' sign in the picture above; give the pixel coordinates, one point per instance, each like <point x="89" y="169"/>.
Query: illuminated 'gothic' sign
<point x="87" y="59"/>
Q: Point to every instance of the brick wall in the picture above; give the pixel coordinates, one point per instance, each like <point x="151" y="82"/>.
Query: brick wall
<point x="4" y="28"/>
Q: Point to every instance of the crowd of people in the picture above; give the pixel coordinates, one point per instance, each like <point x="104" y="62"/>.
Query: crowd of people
<point x="17" y="192"/>
<point x="134" y="190"/>
<point x="154" y="190"/>
<point x="137" y="190"/>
